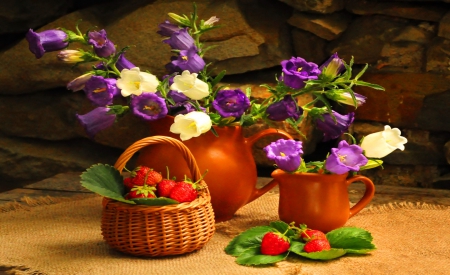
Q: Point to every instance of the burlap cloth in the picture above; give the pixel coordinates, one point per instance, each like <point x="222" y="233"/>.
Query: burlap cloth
<point x="65" y="238"/>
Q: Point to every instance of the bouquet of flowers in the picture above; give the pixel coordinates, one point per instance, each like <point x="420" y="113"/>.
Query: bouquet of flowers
<point x="345" y="158"/>
<point x="189" y="92"/>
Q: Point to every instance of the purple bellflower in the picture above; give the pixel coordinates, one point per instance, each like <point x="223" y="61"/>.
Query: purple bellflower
<point x="101" y="91"/>
<point x="231" y="103"/>
<point x="103" y="47"/>
<point x="345" y="158"/>
<point x="148" y="106"/>
<point x="332" y="67"/>
<point x="78" y="83"/>
<point x="96" y="120"/>
<point x="331" y="129"/>
<point x="187" y="60"/>
<point x="284" y="109"/>
<point x="285" y="153"/>
<point x="181" y="40"/>
<point x="123" y="63"/>
<point x="296" y="71"/>
<point x="167" y="29"/>
<point x="46" y="41"/>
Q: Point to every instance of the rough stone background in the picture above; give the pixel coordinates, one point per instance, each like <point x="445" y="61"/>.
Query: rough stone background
<point x="406" y="44"/>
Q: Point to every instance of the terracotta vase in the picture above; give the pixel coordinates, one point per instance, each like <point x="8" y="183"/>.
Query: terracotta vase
<point x="317" y="200"/>
<point x="228" y="158"/>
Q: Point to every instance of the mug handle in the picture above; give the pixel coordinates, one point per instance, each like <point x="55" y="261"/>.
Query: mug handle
<point x="366" y="198"/>
<point x="249" y="143"/>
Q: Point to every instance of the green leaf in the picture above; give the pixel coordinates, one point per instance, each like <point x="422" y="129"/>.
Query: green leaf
<point x="358" y="251"/>
<point x="351" y="239"/>
<point x="247" y="239"/>
<point x="296" y="247"/>
<point x="283" y="228"/>
<point x="333" y="253"/>
<point x="370" y="85"/>
<point x="155" y="201"/>
<point x="218" y="78"/>
<point x="253" y="256"/>
<point x="104" y="180"/>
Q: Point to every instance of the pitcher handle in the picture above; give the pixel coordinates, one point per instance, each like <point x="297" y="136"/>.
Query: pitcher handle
<point x="366" y="198"/>
<point x="258" y="192"/>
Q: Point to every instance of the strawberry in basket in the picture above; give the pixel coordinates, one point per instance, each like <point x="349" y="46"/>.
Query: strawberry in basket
<point x="184" y="191"/>
<point x="144" y="175"/>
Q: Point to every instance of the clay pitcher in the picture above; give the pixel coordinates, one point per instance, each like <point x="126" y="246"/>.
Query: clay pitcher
<point x="320" y="201"/>
<point x="228" y="158"/>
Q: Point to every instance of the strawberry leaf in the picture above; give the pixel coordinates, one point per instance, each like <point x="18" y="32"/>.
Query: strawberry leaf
<point x="104" y="180"/>
<point x="353" y="239"/>
<point x="296" y="247"/>
<point x="155" y="201"/>
<point x="283" y="228"/>
<point x="250" y="238"/>
<point x="253" y="256"/>
<point x="333" y="253"/>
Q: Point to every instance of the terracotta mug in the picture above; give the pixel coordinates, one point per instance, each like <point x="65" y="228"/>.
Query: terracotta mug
<point x="320" y="201"/>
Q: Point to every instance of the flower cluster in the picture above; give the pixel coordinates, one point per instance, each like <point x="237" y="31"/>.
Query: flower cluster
<point x="189" y="92"/>
<point x="345" y="158"/>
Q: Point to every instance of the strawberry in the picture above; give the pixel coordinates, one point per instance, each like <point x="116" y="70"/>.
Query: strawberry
<point x="317" y="245"/>
<point x="164" y="187"/>
<point x="144" y="175"/>
<point x="310" y="234"/>
<point x="274" y="244"/>
<point x="137" y="192"/>
<point x="128" y="182"/>
<point x="183" y="192"/>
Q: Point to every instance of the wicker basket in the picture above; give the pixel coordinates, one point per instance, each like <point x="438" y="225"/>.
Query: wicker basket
<point x="152" y="231"/>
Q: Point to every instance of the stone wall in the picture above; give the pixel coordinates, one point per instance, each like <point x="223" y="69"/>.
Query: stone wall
<point x="406" y="44"/>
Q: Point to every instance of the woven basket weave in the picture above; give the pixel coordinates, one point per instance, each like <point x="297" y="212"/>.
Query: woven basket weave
<point x="153" y="231"/>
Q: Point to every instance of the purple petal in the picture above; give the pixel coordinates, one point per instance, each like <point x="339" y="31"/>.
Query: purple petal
<point x="284" y="109"/>
<point x="123" y="63"/>
<point x="188" y="60"/>
<point x="103" y="47"/>
<point x="285" y="153"/>
<point x="96" y="121"/>
<point x="345" y="158"/>
<point x="296" y="71"/>
<point x="167" y="29"/>
<point x="331" y="129"/>
<point x="148" y="106"/>
<point x="181" y="40"/>
<point x="46" y="41"/>
<point x="100" y="91"/>
<point x="231" y="103"/>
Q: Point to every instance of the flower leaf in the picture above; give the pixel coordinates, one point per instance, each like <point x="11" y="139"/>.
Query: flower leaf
<point x="253" y="256"/>
<point x="370" y="85"/>
<point x="104" y="180"/>
<point x="247" y="239"/>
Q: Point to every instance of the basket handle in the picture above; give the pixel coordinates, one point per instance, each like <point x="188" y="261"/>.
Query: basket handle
<point x="133" y="148"/>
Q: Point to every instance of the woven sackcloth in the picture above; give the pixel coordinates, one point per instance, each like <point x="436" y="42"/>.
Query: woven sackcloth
<point x="64" y="238"/>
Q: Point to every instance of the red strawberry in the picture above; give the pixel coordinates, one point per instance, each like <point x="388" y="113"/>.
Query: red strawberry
<point x="310" y="234"/>
<point x="183" y="192"/>
<point x="144" y="175"/>
<point x="274" y="244"/>
<point x="317" y="245"/>
<point x="128" y="182"/>
<point x="164" y="187"/>
<point x="141" y="192"/>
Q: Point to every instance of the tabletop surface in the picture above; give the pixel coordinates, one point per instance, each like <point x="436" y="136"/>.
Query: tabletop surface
<point x="67" y="185"/>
